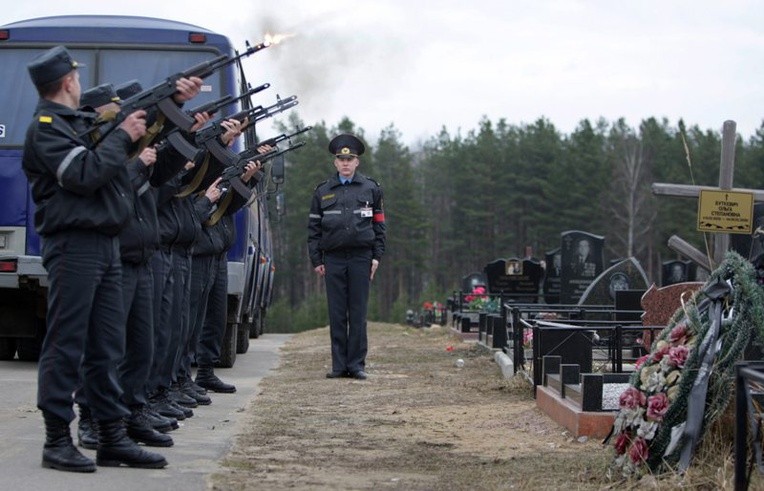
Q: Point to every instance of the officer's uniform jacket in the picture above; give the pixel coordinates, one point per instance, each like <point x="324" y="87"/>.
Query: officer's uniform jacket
<point x="73" y="187"/>
<point x="346" y="217"/>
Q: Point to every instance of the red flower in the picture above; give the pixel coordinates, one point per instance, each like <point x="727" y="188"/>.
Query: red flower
<point x="469" y="298"/>
<point x="678" y="355"/>
<point x="638" y="452"/>
<point x="641" y="361"/>
<point x="632" y="398"/>
<point x="479" y="290"/>
<point x="657" y="405"/>
<point x="622" y="443"/>
<point x="678" y="333"/>
<point x="427" y="306"/>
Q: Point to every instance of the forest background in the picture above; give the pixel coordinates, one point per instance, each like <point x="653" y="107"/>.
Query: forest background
<point x="460" y="201"/>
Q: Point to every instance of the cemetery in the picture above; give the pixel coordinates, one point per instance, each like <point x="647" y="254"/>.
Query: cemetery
<point x="645" y="367"/>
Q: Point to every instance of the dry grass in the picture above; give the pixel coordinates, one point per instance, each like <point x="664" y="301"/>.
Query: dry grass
<point x="418" y="423"/>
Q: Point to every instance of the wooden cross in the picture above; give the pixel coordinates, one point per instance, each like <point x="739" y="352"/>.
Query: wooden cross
<point x="726" y="172"/>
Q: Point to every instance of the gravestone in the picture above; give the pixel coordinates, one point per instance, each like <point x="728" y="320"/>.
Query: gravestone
<point x="626" y="275"/>
<point x="552" y="274"/>
<point x="514" y="278"/>
<point x="581" y="254"/>
<point x="673" y="272"/>
<point x="473" y="280"/>
<point x="660" y="304"/>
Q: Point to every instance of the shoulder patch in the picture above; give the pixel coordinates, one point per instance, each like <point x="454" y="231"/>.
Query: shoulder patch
<point x="45" y="119"/>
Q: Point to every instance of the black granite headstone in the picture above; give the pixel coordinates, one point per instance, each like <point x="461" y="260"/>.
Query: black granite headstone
<point x="473" y="280"/>
<point x="582" y="261"/>
<point x="626" y="275"/>
<point x="551" y="286"/>
<point x="676" y="271"/>
<point x="516" y="279"/>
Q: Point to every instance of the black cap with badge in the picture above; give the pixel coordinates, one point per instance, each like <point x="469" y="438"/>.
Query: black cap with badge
<point x="346" y="145"/>
<point x="98" y="96"/>
<point x="51" y="66"/>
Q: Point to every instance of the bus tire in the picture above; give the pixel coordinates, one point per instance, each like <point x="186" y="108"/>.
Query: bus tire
<point x="242" y="337"/>
<point x="228" y="348"/>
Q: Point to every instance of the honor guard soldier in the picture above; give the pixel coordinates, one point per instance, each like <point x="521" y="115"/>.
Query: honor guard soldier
<point x="346" y="240"/>
<point x="83" y="199"/>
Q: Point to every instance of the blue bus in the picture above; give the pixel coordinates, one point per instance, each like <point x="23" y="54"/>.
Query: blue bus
<point x="113" y="49"/>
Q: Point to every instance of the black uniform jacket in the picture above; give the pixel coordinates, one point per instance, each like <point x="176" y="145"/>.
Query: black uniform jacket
<point x="73" y="187"/>
<point x="346" y="217"/>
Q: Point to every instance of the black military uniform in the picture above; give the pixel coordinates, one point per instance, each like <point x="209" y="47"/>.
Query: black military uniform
<point x="83" y="200"/>
<point x="346" y="231"/>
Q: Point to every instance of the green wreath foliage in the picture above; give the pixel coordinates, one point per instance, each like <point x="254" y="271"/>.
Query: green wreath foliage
<point x="743" y="320"/>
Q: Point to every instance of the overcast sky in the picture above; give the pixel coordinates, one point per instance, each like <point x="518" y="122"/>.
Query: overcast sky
<point x="421" y="65"/>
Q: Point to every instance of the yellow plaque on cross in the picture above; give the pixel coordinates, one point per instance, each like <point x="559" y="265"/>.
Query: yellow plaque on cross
<point x="726" y="212"/>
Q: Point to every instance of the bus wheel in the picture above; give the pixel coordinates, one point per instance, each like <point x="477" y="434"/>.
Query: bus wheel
<point x="7" y="348"/>
<point x="228" y="349"/>
<point x="242" y="337"/>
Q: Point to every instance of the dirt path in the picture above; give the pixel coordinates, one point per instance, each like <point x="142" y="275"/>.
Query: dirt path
<point x="418" y="422"/>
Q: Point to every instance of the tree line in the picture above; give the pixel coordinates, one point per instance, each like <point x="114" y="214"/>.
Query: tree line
<point x="460" y="201"/>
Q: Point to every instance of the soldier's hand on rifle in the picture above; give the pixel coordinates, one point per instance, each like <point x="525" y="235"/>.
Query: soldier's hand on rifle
<point x="250" y="170"/>
<point x="213" y="192"/>
<point x="135" y="124"/>
<point x="148" y="156"/>
<point x="187" y="89"/>
<point x="201" y="119"/>
<point x="232" y="130"/>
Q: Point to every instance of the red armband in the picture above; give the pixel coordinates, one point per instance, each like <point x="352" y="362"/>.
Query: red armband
<point x="378" y="217"/>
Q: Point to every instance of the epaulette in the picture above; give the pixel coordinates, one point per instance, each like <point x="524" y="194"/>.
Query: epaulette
<point x="321" y="184"/>
<point x="373" y="180"/>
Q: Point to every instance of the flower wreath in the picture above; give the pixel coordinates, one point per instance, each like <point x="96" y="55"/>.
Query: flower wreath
<point x="656" y="401"/>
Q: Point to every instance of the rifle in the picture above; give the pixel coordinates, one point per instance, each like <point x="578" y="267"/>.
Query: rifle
<point x="161" y="94"/>
<point x="216" y="105"/>
<point x="207" y="136"/>
<point x="237" y="168"/>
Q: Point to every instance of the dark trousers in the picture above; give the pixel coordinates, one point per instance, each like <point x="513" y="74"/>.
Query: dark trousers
<point x="164" y="281"/>
<point x="213" y="329"/>
<point x="347" y="292"/>
<point x="202" y="278"/>
<point x="86" y="325"/>
<point x="178" y="321"/>
<point x="138" y="294"/>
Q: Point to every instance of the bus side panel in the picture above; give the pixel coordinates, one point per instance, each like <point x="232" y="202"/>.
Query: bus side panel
<point x="13" y="189"/>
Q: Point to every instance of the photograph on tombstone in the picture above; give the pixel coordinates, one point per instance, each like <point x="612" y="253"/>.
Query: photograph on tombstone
<point x="673" y="272"/>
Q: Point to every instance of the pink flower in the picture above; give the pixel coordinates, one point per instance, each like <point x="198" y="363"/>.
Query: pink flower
<point x="678" y="333"/>
<point x="527" y="337"/>
<point x="622" y="443"/>
<point x="657" y="405"/>
<point x="641" y="361"/>
<point x="469" y="298"/>
<point x="632" y="398"/>
<point x="678" y="355"/>
<point x="478" y="290"/>
<point x="638" y="451"/>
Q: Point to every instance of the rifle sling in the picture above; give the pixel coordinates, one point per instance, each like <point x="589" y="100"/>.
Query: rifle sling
<point x="197" y="178"/>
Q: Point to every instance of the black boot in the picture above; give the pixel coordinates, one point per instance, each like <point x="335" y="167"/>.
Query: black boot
<point x="205" y="377"/>
<point x="180" y="398"/>
<point x="87" y="429"/>
<point x="159" y="422"/>
<point x="139" y="428"/>
<point x="115" y="448"/>
<point x="59" y="451"/>
<point x="160" y="403"/>
<point x="188" y="389"/>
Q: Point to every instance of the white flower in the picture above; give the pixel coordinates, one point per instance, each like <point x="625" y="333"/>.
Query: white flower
<point x="655" y="382"/>
<point x="647" y="430"/>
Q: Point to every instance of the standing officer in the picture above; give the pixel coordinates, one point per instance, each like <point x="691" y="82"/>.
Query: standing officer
<point x="346" y="240"/>
<point x="83" y="199"/>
